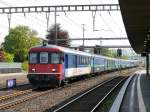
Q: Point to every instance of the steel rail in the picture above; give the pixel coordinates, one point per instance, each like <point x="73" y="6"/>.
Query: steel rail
<point x="21" y="100"/>
<point x="99" y="85"/>
<point x="15" y="94"/>
<point x="117" y="103"/>
<point x="102" y="100"/>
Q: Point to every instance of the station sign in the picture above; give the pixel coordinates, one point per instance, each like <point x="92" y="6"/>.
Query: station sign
<point x="11" y="83"/>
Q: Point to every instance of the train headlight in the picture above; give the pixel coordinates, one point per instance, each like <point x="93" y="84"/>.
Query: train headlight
<point x="53" y="70"/>
<point x="33" y="69"/>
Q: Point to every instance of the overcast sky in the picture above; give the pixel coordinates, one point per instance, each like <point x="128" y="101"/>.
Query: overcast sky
<point x="109" y="24"/>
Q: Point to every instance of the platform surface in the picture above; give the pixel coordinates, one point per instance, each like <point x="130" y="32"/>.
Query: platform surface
<point x="21" y="78"/>
<point x="137" y="97"/>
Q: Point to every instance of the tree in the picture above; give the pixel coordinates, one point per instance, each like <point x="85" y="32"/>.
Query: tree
<point x="2" y="55"/>
<point x="8" y="57"/>
<point x="61" y="34"/>
<point x="106" y="52"/>
<point x="19" y="40"/>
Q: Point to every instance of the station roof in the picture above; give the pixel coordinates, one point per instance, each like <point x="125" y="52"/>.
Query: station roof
<point x="136" y="17"/>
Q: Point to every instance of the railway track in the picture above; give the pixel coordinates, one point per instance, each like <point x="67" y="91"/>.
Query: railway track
<point x="15" y="94"/>
<point x="90" y="100"/>
<point x="29" y="94"/>
<point x="28" y="97"/>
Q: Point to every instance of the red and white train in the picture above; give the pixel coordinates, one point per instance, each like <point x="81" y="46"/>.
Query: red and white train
<point x="50" y="65"/>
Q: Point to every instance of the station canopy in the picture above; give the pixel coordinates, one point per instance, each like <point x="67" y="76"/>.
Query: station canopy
<point x="136" y="18"/>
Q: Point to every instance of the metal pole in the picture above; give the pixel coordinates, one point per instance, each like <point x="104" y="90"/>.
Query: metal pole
<point x="147" y="64"/>
<point x="55" y="28"/>
<point x="9" y="21"/>
<point x="83" y="36"/>
<point x="147" y="53"/>
<point x="47" y="19"/>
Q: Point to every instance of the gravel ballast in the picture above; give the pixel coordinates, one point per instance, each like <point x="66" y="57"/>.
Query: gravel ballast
<point x="53" y="98"/>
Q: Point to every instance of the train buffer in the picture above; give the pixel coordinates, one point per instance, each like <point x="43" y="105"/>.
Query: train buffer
<point x="134" y="96"/>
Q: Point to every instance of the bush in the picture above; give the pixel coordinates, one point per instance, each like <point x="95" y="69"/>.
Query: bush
<point x="8" y="57"/>
<point x="25" y="66"/>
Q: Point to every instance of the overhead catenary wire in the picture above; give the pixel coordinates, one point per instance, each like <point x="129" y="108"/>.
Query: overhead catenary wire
<point x="79" y="25"/>
<point x="25" y="15"/>
<point x="45" y="21"/>
<point x="114" y="21"/>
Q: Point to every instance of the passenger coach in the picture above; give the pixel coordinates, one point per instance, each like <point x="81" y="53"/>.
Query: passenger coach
<point x="50" y="65"/>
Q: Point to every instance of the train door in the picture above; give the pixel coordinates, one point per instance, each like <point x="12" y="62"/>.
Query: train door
<point x="75" y="61"/>
<point x="92" y="64"/>
<point x="66" y="65"/>
<point x="75" y="58"/>
<point x="66" y="61"/>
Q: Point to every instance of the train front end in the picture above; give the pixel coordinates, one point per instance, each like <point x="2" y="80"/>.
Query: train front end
<point x="45" y="66"/>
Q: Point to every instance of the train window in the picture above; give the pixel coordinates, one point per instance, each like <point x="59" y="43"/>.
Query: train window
<point x="33" y="58"/>
<point x="86" y="61"/>
<point x="55" y="58"/>
<point x="80" y="60"/>
<point x="89" y="60"/>
<point x="43" y="57"/>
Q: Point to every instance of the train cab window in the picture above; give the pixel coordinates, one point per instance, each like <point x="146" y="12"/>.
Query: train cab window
<point x="33" y="58"/>
<point x="55" y="58"/>
<point x="43" y="57"/>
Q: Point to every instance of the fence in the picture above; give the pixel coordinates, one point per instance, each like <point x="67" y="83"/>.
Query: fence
<point x="10" y="67"/>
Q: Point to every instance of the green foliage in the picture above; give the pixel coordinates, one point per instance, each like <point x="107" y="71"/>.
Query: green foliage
<point x="19" y="40"/>
<point x="8" y="57"/>
<point x="34" y="41"/>
<point x="106" y="52"/>
<point x="124" y="57"/>
<point x="25" y="66"/>
<point x="111" y="53"/>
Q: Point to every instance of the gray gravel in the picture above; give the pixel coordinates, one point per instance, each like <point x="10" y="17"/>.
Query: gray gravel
<point x="42" y="103"/>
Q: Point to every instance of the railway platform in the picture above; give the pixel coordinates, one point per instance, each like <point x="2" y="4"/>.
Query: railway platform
<point x="136" y="97"/>
<point x="20" y="78"/>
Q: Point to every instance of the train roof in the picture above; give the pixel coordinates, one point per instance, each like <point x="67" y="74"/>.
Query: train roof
<point x="67" y="50"/>
<point x="63" y="49"/>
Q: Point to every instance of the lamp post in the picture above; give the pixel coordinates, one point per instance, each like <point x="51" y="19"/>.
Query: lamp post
<point x="147" y="42"/>
<point x="83" y="35"/>
<point x="56" y="36"/>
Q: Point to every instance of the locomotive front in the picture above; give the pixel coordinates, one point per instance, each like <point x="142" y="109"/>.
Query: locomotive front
<point x="45" y="66"/>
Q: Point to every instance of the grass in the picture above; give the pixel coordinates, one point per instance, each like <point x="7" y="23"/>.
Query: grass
<point x="25" y="66"/>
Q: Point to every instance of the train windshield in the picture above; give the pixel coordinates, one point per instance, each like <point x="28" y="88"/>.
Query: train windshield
<point x="33" y="58"/>
<point x="43" y="57"/>
<point x="55" y="58"/>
